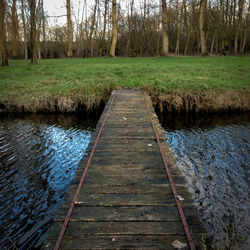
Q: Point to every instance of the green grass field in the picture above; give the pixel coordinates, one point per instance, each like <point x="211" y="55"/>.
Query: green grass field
<point x="94" y="76"/>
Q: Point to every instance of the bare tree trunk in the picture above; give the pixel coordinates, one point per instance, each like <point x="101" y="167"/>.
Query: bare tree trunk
<point x="159" y="30"/>
<point x="186" y="46"/>
<point x="246" y="31"/>
<point x="243" y="42"/>
<point x="38" y="45"/>
<point x="130" y="17"/>
<point x="158" y="44"/>
<point x="143" y="31"/>
<point x="236" y="42"/>
<point x="24" y="33"/>
<point x="33" y="35"/>
<point x="104" y="27"/>
<point x="14" y="29"/>
<point x="212" y="44"/>
<point x="70" y="30"/>
<point x="204" y="51"/>
<point x="217" y="45"/>
<point x="86" y="44"/>
<point x="165" y="44"/>
<point x="91" y="47"/>
<point x="38" y="32"/>
<point x="238" y="27"/>
<point x="179" y="28"/>
<point x="3" y="43"/>
<point x="44" y="47"/>
<point x="115" y="32"/>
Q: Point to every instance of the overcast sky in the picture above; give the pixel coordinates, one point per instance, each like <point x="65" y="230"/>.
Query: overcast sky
<point x="57" y="7"/>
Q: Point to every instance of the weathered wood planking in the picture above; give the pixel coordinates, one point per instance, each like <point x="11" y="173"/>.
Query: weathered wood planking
<point x="127" y="198"/>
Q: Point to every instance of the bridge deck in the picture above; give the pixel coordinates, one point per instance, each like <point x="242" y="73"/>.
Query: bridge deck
<point x="127" y="201"/>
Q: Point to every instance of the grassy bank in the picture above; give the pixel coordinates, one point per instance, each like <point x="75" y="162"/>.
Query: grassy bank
<point x="22" y="82"/>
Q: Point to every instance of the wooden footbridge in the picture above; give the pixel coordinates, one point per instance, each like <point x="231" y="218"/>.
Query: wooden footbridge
<point x="128" y="191"/>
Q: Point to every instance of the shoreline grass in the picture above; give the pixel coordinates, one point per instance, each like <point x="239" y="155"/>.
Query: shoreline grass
<point x="23" y="81"/>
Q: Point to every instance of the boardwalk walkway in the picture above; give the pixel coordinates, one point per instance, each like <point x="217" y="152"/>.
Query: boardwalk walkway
<point x="126" y="200"/>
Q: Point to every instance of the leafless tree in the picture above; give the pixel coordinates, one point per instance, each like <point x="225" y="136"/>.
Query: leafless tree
<point x="24" y="31"/>
<point x="70" y="30"/>
<point x="115" y="32"/>
<point x="33" y="32"/>
<point x="165" y="42"/>
<point x="204" y="51"/>
<point x="14" y="29"/>
<point x="4" y="51"/>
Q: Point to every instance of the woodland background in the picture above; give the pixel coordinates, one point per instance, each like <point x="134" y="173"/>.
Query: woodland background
<point x="145" y="28"/>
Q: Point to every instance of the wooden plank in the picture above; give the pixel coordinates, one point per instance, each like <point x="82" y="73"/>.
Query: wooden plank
<point x="133" y="180"/>
<point x="130" y="228"/>
<point x="119" y="242"/>
<point x="125" y="242"/>
<point x="122" y="189"/>
<point x="127" y="201"/>
<point x="109" y="142"/>
<point x="125" y="170"/>
<point x="128" y="213"/>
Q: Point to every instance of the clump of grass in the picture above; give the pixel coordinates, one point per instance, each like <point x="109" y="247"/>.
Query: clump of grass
<point x="231" y="241"/>
<point x="93" y="76"/>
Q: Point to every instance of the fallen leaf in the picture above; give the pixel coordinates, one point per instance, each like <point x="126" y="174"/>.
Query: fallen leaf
<point x="180" y="198"/>
<point x="179" y="245"/>
<point x="94" y="197"/>
<point x="79" y="202"/>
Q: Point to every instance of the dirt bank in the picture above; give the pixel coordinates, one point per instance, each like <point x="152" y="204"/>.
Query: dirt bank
<point x="192" y="101"/>
<point x="205" y="101"/>
<point x="84" y="105"/>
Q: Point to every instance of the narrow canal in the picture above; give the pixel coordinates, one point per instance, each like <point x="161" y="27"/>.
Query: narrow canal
<point x="38" y="158"/>
<point x="39" y="155"/>
<point x="213" y="153"/>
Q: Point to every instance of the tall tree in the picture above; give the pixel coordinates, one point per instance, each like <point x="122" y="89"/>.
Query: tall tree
<point x="104" y="27"/>
<point x="91" y="46"/>
<point x="179" y="28"/>
<point x="165" y="43"/>
<point x="243" y="44"/>
<point x="115" y="32"/>
<point x="239" y="25"/>
<point x="3" y="42"/>
<point x="203" y="5"/>
<point x="24" y="31"/>
<point x="70" y="30"/>
<point x="14" y="29"/>
<point x="44" y="32"/>
<point x="130" y="6"/>
<point x="33" y="33"/>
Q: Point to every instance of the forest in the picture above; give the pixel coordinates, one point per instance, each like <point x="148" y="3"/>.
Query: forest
<point x="124" y="28"/>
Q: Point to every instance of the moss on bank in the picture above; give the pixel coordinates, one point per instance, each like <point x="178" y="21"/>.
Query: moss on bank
<point x="175" y="84"/>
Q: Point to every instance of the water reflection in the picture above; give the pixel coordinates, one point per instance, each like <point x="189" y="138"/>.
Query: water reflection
<point x="213" y="153"/>
<point x="39" y="155"/>
<point x="38" y="158"/>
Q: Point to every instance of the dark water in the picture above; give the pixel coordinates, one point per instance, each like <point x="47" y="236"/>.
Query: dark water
<point x="213" y="154"/>
<point x="38" y="158"/>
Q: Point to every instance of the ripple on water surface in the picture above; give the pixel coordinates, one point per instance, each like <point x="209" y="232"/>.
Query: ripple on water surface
<point x="213" y="154"/>
<point x="38" y="159"/>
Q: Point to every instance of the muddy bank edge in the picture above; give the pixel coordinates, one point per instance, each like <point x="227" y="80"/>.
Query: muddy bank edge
<point x="191" y="101"/>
